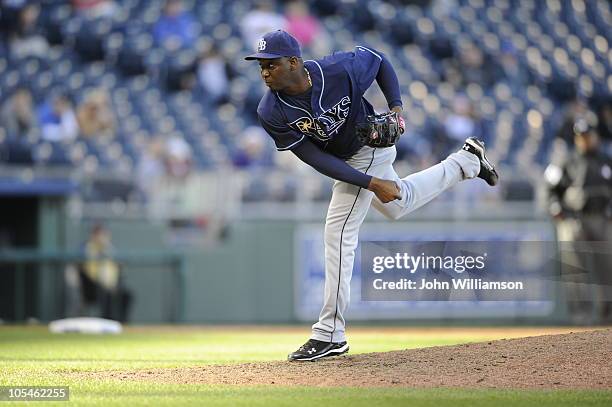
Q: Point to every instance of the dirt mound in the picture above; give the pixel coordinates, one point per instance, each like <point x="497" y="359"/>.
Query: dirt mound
<point x="575" y="360"/>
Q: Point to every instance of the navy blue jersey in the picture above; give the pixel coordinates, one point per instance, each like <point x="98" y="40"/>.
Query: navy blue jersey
<point x="336" y="106"/>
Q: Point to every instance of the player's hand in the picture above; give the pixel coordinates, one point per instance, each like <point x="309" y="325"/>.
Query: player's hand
<point x="385" y="190"/>
<point x="402" y="123"/>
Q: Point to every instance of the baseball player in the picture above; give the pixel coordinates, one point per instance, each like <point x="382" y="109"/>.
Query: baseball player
<point x="314" y="109"/>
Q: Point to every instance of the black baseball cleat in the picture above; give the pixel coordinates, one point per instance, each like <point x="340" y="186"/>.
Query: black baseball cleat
<point x="487" y="170"/>
<point x="314" y="349"/>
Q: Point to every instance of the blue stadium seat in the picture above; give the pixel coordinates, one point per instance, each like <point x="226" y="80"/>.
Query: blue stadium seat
<point x="566" y="50"/>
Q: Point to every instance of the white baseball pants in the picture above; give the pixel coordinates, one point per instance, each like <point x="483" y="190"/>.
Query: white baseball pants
<point x="347" y="211"/>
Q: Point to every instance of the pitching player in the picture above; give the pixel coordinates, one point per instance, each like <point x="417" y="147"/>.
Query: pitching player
<point x="313" y="108"/>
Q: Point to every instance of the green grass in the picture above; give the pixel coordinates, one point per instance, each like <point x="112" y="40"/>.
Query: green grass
<point x="32" y="356"/>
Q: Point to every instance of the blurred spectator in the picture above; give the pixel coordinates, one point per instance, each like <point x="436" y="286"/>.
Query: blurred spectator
<point x="576" y="109"/>
<point x="180" y="70"/>
<point x="301" y="24"/>
<point x="9" y="16"/>
<point x="213" y="75"/>
<point x="25" y="39"/>
<point x="259" y="21"/>
<point x="561" y="87"/>
<point x="475" y="67"/>
<point x="604" y="120"/>
<point x="95" y="116"/>
<point x="403" y="34"/>
<point x="57" y="119"/>
<point x="580" y="200"/>
<point x="178" y="157"/>
<point x="325" y="8"/>
<point x="95" y="8"/>
<point x="100" y="276"/>
<point x="151" y="168"/>
<point x="362" y="18"/>
<point x="461" y="123"/>
<point x="176" y="27"/>
<point x="470" y="66"/>
<point x="252" y="151"/>
<point x="509" y="68"/>
<point x="415" y="149"/>
<point x="17" y="114"/>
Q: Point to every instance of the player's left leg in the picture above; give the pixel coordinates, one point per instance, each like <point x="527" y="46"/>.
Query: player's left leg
<point x="423" y="186"/>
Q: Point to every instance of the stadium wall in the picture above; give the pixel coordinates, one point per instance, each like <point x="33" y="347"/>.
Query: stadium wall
<point x="249" y="277"/>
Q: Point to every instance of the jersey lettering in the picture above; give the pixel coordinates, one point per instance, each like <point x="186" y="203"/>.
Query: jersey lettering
<point x="335" y="117"/>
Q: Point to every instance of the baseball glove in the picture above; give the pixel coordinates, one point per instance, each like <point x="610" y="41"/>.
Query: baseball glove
<point x="380" y="130"/>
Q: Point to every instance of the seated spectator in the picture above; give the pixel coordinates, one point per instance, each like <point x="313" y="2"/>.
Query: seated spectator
<point x="95" y="8"/>
<point x="95" y="116"/>
<point x="57" y="119"/>
<point x="252" y="152"/>
<point x="508" y="67"/>
<point x="9" y="17"/>
<point x="213" y="75"/>
<point x="26" y="39"/>
<point x="460" y="124"/>
<point x="561" y="87"/>
<point x="151" y="169"/>
<point x="470" y="66"/>
<point x="325" y="8"/>
<point x="259" y="21"/>
<point x="301" y="24"/>
<point x="178" y="157"/>
<point x="17" y="114"/>
<point x="176" y="28"/>
<point x="180" y="70"/>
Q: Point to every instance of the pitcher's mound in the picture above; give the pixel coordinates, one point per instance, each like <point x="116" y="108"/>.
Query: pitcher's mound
<point x="570" y="361"/>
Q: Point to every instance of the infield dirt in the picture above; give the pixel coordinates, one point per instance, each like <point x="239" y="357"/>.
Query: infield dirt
<point x="567" y="361"/>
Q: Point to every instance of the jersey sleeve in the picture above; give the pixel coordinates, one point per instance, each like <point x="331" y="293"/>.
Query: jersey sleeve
<point x="389" y="84"/>
<point x="365" y="66"/>
<point x="370" y="65"/>
<point x="330" y="165"/>
<point x="285" y="138"/>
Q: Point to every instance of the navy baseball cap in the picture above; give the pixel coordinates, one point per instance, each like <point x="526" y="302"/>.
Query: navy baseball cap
<point x="276" y="44"/>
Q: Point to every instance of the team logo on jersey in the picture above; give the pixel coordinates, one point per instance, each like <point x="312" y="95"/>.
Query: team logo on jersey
<point x="261" y="45"/>
<point x="335" y="117"/>
<point x="309" y="127"/>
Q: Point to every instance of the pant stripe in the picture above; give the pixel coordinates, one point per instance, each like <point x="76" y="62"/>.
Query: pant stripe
<point x="331" y="336"/>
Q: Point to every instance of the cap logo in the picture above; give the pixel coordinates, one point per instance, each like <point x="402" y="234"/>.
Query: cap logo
<point x="261" y="45"/>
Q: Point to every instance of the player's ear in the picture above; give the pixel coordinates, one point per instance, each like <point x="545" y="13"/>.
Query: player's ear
<point x="293" y="63"/>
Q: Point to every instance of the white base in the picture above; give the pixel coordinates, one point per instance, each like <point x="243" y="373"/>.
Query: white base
<point x="85" y="326"/>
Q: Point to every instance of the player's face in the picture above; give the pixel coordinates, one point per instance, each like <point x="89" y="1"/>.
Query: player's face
<point x="276" y="73"/>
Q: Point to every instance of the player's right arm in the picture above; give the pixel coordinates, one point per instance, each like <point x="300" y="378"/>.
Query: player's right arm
<point x="385" y="190"/>
<point x="338" y="169"/>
